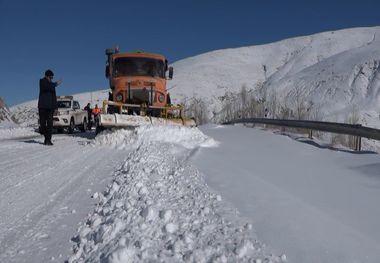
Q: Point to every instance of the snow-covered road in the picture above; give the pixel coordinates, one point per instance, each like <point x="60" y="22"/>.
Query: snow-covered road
<point x="170" y="194"/>
<point x="151" y="203"/>
<point x="159" y="209"/>
<point x="45" y="192"/>
<point x="315" y="204"/>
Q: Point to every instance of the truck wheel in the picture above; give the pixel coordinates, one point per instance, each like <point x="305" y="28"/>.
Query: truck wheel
<point x="84" y="125"/>
<point x="59" y="130"/>
<point x="98" y="128"/>
<point x="72" y="126"/>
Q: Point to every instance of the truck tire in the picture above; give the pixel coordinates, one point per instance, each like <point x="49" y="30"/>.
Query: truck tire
<point x="84" y="125"/>
<point x="98" y="128"/>
<point x="72" y="126"/>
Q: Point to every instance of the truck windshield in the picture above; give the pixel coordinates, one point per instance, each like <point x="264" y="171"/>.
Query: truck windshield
<point x="64" y="104"/>
<point x="139" y="67"/>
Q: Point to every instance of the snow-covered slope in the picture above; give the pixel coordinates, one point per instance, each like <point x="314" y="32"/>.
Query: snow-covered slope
<point x="336" y="71"/>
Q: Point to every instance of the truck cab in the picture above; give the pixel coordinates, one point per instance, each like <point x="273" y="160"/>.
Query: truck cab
<point x="138" y="78"/>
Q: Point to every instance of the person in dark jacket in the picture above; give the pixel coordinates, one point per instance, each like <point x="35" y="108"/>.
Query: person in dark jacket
<point x="47" y="103"/>
<point x="89" y="114"/>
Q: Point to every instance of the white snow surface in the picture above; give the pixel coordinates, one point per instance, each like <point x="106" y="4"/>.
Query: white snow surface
<point x="316" y="203"/>
<point x="13" y="131"/>
<point x="45" y="192"/>
<point x="176" y="194"/>
<point x="159" y="209"/>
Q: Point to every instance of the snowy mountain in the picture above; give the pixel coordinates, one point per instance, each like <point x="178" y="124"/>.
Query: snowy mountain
<point x="336" y="72"/>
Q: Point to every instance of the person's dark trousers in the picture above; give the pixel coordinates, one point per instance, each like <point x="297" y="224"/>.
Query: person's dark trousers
<point x="46" y="123"/>
<point x="89" y="121"/>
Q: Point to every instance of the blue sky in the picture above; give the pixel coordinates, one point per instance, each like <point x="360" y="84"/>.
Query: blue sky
<point x="70" y="36"/>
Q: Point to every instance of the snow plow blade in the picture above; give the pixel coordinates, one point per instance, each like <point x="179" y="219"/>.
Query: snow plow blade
<point x="131" y="121"/>
<point x="170" y="115"/>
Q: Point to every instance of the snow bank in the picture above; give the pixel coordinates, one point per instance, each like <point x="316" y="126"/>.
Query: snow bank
<point x="146" y="134"/>
<point x="158" y="208"/>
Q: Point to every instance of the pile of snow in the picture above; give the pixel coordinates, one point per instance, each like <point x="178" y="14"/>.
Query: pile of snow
<point x="159" y="209"/>
<point x="189" y="138"/>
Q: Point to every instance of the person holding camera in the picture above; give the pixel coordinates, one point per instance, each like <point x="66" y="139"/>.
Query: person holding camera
<point x="47" y="103"/>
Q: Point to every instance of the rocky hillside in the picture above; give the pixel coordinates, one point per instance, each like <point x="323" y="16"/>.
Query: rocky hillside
<point x="6" y="120"/>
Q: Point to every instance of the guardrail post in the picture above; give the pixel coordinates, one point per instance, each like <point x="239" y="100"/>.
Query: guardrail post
<point x="310" y="134"/>
<point x="358" y="143"/>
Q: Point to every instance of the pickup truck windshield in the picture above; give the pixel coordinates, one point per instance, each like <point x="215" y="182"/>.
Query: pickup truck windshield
<point x="63" y="104"/>
<point x="139" y="67"/>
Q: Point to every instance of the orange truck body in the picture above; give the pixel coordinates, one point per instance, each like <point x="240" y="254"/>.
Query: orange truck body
<point x="137" y="78"/>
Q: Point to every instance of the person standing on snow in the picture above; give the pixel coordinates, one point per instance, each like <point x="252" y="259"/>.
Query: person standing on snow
<point x="47" y="103"/>
<point x="89" y="114"/>
<point x="96" y="111"/>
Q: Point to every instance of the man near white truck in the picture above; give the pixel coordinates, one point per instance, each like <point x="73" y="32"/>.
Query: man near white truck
<point x="47" y="103"/>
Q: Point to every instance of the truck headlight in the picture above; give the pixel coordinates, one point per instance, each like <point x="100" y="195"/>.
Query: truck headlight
<point x="161" y="98"/>
<point x="119" y="98"/>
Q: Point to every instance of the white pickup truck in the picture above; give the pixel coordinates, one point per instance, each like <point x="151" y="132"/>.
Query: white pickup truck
<point x="69" y="115"/>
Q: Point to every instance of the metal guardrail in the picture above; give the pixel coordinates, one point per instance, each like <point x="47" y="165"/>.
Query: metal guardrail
<point x="342" y="128"/>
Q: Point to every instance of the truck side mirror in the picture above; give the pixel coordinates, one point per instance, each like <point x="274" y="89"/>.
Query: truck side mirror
<point x="170" y="72"/>
<point x="107" y="71"/>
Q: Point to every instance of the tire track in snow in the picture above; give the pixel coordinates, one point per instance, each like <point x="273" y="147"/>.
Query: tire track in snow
<point x="10" y="150"/>
<point x="79" y="164"/>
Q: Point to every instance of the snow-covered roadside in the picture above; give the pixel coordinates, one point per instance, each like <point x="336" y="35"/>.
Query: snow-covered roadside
<point x="159" y="208"/>
<point x="313" y="202"/>
<point x="16" y="132"/>
<point x="45" y="192"/>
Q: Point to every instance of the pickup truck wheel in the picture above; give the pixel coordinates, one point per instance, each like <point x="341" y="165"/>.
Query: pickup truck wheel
<point x="72" y="126"/>
<point x="84" y="125"/>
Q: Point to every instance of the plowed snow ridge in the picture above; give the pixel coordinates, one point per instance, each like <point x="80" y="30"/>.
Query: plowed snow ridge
<point x="159" y="208"/>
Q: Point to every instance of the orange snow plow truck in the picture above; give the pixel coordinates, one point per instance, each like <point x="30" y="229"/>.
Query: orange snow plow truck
<point x="138" y="92"/>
